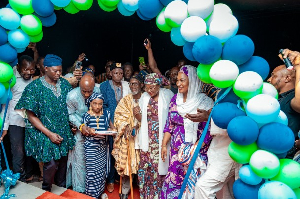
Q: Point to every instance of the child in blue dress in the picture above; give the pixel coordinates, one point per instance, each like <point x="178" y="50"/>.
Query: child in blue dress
<point x="95" y="145"/>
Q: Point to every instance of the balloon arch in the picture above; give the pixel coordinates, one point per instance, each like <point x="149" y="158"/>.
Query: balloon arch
<point x="258" y="129"/>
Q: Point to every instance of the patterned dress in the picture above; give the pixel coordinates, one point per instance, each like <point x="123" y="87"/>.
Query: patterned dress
<point x="176" y="172"/>
<point x="48" y="102"/>
<point x="150" y="182"/>
<point x="95" y="155"/>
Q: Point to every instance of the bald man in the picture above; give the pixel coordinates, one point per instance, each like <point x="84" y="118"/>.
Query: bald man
<point x="287" y="84"/>
<point x="76" y="107"/>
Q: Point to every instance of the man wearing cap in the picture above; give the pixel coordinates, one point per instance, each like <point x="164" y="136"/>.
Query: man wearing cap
<point x="113" y="91"/>
<point x="48" y="137"/>
<point x="126" y="145"/>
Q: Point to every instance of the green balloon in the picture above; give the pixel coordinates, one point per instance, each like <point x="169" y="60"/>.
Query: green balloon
<point x="241" y="153"/>
<point x="83" y="5"/>
<point x="23" y="7"/>
<point x="31" y="25"/>
<point x="203" y="72"/>
<point x="161" y="22"/>
<point x="57" y="8"/>
<point x="105" y="8"/>
<point x="289" y="173"/>
<point x="1" y="122"/>
<point x="6" y="72"/>
<point x="36" y="38"/>
<point x="71" y="8"/>
<point x="247" y="94"/>
<point x="172" y="23"/>
<point x="13" y="82"/>
<point x="297" y="192"/>
<point x="110" y="3"/>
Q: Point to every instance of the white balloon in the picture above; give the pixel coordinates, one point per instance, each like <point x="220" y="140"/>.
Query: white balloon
<point x="193" y="28"/>
<point x="282" y="118"/>
<point x="224" y="27"/>
<point x="223" y="71"/>
<point x="219" y="10"/>
<point x="269" y="89"/>
<point x="263" y="108"/>
<point x="131" y="5"/>
<point x="248" y="81"/>
<point x="176" y="12"/>
<point x="200" y="8"/>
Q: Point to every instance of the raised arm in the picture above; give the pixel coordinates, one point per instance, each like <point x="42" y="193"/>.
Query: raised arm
<point x="151" y="60"/>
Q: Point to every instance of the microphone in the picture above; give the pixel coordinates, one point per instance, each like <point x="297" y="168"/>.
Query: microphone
<point x="286" y="61"/>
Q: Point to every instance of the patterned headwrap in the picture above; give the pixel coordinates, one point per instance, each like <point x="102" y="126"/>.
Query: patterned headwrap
<point x="140" y="77"/>
<point x="184" y="69"/>
<point x="52" y="60"/>
<point x="87" y="70"/>
<point x="153" y="78"/>
<point x="92" y="97"/>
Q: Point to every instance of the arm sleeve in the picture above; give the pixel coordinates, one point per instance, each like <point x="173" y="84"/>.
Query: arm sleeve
<point x="72" y="106"/>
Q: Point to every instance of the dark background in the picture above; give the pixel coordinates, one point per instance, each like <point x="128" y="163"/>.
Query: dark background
<point x="271" y="24"/>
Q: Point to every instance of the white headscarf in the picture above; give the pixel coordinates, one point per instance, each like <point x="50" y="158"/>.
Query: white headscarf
<point x="195" y="99"/>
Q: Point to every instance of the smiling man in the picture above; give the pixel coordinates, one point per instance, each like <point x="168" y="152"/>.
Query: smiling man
<point x="14" y="123"/>
<point x="48" y="137"/>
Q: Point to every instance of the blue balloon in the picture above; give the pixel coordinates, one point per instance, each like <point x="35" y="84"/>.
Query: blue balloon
<point x="3" y="36"/>
<point x="243" y="130"/>
<point x="275" y="190"/>
<point x="2" y="90"/>
<point x="242" y="190"/>
<point x="207" y="49"/>
<point x="9" y="19"/>
<point x="43" y="8"/>
<point x="176" y="37"/>
<point x="123" y="10"/>
<point x="188" y="51"/>
<point x="61" y="3"/>
<point x="230" y="97"/>
<point x="166" y="2"/>
<point x="18" y="39"/>
<point x="258" y="65"/>
<point x="48" y="21"/>
<point x="150" y="8"/>
<point x="138" y="12"/>
<point x="281" y="155"/>
<point x="13" y="63"/>
<point x="276" y="138"/>
<point x="223" y="113"/>
<point x="20" y="50"/>
<point x="8" y="6"/>
<point x="7" y="53"/>
<point x="238" y="49"/>
<point x="248" y="176"/>
<point x="3" y="99"/>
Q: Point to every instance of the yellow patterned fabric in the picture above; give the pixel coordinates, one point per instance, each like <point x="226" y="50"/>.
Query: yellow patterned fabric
<point x="124" y="145"/>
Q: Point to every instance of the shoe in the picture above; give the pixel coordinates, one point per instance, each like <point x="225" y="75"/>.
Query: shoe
<point x="110" y="187"/>
<point x="104" y="196"/>
<point x="123" y="196"/>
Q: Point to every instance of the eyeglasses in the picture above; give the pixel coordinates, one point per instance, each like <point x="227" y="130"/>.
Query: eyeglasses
<point x="134" y="84"/>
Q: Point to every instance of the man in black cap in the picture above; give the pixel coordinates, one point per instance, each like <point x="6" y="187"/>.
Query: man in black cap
<point x="113" y="91"/>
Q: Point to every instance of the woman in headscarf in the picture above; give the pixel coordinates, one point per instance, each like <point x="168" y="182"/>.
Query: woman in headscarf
<point x="182" y="131"/>
<point x="154" y="107"/>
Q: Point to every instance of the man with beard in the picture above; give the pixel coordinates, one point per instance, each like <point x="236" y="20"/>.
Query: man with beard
<point x="48" y="137"/>
<point x="128" y="71"/>
<point x="113" y="91"/>
<point x="126" y="145"/>
<point x="14" y="123"/>
<point x="77" y="106"/>
<point x="173" y="79"/>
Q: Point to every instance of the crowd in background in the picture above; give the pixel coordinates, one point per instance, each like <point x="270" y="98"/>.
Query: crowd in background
<point x="88" y="132"/>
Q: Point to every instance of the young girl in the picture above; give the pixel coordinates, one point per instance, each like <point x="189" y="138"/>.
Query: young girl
<point x="95" y="146"/>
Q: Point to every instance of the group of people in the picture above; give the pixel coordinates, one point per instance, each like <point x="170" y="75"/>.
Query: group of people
<point x="127" y="124"/>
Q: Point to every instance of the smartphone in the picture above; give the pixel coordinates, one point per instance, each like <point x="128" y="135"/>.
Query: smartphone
<point x="78" y="65"/>
<point x="142" y="61"/>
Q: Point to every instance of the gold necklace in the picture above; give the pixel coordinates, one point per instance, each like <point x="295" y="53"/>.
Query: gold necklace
<point x="97" y="117"/>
